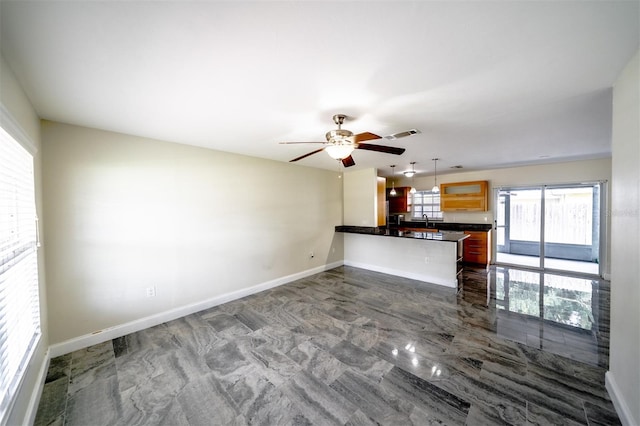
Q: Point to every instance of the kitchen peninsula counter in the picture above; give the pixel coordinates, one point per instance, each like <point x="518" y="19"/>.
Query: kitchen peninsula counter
<point x="433" y="257"/>
<point x="451" y="236"/>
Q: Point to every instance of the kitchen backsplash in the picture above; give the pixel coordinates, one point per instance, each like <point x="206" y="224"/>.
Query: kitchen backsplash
<point x="469" y="217"/>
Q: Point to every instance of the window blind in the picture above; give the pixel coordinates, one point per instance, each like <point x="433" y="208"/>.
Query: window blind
<point x="19" y="298"/>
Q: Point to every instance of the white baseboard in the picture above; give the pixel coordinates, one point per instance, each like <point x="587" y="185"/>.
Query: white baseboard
<point x="405" y="274"/>
<point x="172" y="314"/>
<point x="626" y="417"/>
<point x="36" y="393"/>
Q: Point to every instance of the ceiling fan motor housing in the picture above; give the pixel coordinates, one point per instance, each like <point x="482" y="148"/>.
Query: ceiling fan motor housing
<point x="339" y="136"/>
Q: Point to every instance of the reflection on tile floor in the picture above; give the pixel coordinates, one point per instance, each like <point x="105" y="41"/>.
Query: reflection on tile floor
<point x="565" y="315"/>
<point x="350" y="346"/>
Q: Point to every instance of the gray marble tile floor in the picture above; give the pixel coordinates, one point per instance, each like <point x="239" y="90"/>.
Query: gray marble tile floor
<point x="355" y="347"/>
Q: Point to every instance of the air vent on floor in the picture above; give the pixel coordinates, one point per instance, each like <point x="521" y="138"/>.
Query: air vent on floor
<point x="456" y="167"/>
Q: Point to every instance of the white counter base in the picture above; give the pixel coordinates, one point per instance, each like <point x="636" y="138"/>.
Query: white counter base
<point x="424" y="260"/>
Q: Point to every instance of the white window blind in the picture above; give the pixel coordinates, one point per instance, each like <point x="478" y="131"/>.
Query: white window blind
<point x="19" y="298"/>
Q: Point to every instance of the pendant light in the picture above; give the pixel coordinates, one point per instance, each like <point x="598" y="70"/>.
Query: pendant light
<point x="411" y="174"/>
<point x="393" y="186"/>
<point x="435" y="188"/>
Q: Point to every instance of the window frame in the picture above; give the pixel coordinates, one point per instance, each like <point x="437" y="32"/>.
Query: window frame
<point x="432" y="214"/>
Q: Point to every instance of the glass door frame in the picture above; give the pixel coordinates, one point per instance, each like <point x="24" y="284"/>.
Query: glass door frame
<point x="602" y="243"/>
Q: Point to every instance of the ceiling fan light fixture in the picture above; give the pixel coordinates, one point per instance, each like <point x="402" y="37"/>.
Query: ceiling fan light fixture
<point x="341" y="143"/>
<point x="339" y="151"/>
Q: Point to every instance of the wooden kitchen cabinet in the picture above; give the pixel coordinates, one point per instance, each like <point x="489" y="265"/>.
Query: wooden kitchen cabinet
<point x="477" y="248"/>
<point x="406" y="229"/>
<point x="401" y="202"/>
<point x="380" y="200"/>
<point x="464" y="196"/>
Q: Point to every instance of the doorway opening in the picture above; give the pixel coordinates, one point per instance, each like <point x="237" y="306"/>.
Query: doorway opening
<point x="555" y="227"/>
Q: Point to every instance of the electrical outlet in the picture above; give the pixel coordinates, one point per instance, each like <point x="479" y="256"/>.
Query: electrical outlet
<point x="151" y="291"/>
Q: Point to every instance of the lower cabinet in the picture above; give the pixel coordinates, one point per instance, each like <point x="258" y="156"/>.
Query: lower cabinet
<point x="418" y="229"/>
<point x="477" y="248"/>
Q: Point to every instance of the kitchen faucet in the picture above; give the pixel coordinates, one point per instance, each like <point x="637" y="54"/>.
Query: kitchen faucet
<point x="426" y="220"/>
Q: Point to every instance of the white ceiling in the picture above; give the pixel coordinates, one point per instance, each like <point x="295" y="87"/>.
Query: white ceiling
<point x="489" y="84"/>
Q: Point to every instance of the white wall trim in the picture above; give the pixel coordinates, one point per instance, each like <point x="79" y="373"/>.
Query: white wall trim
<point x="400" y="273"/>
<point x="162" y="317"/>
<point x="36" y="393"/>
<point x="622" y="409"/>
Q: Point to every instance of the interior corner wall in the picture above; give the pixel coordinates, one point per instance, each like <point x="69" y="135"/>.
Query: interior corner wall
<point x="125" y="214"/>
<point x="360" y="197"/>
<point x="24" y="120"/>
<point x="623" y="378"/>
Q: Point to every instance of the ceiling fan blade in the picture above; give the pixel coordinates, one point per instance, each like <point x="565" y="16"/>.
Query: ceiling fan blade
<point x="366" y="136"/>
<point x="348" y="161"/>
<point x="290" y="143"/>
<point x="381" y="148"/>
<point x="402" y="134"/>
<point x="306" y="155"/>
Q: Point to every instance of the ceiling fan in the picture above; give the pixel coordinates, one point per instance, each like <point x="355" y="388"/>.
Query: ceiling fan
<point x="341" y="143"/>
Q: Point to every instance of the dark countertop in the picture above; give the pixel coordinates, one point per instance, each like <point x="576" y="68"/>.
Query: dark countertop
<point x="383" y="231"/>
<point x="445" y="226"/>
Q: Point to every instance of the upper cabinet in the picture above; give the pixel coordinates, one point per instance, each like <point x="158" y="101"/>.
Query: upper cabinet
<point x="464" y="196"/>
<point x="401" y="202"/>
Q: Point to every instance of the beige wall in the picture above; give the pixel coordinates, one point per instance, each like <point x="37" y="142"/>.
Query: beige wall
<point x="126" y="213"/>
<point x="20" y="119"/>
<point x="624" y="373"/>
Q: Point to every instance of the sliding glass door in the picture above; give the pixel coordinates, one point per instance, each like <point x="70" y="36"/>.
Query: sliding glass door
<point x="572" y="228"/>
<point x="519" y="223"/>
<point x="550" y="227"/>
